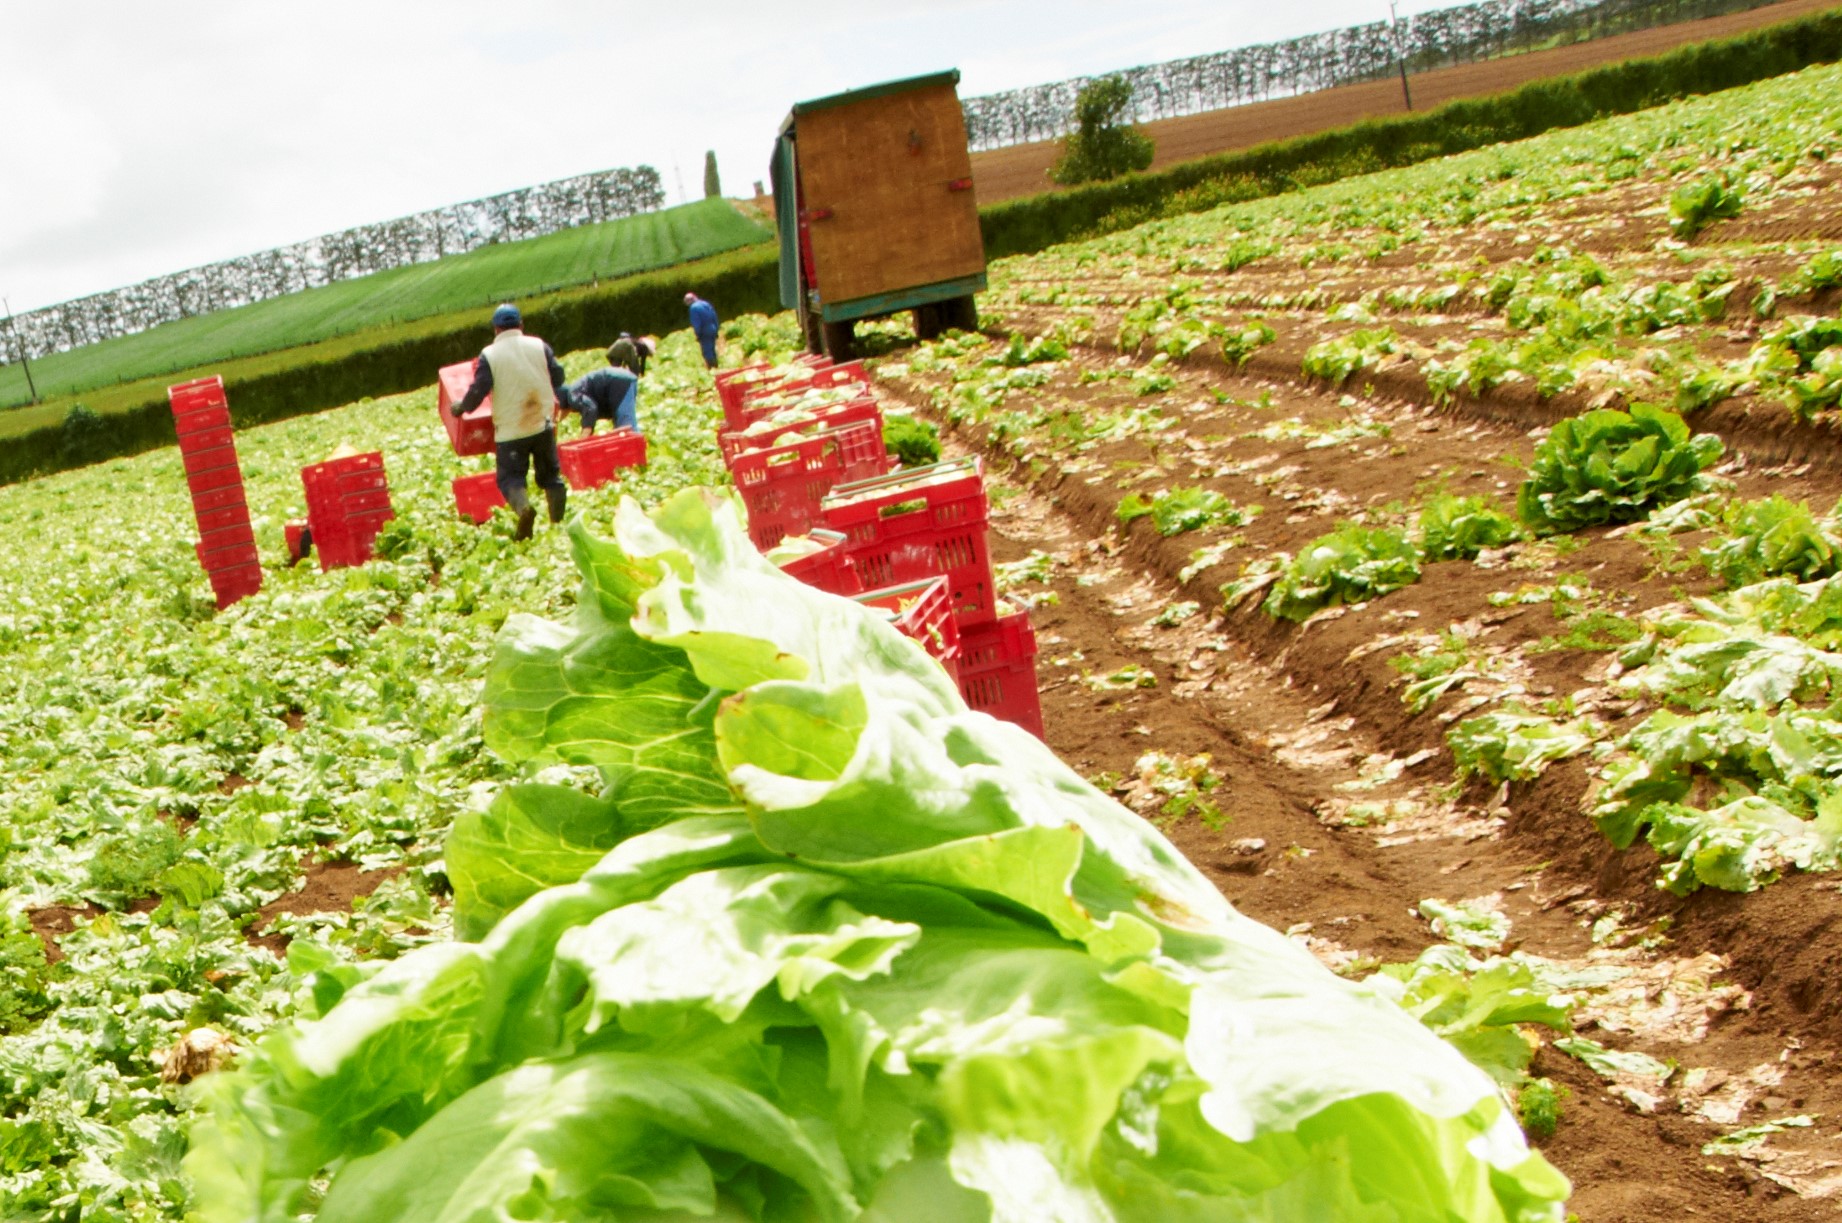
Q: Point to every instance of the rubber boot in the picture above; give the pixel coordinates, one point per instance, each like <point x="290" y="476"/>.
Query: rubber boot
<point x="520" y="502"/>
<point x="557" y="497"/>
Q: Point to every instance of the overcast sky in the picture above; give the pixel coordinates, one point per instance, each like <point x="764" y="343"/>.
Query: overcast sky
<point x="147" y="138"/>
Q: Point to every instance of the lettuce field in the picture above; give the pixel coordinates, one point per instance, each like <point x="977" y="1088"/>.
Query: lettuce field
<point x="1437" y="577"/>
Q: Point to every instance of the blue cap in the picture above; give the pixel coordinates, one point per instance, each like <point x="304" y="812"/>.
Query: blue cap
<point x="507" y="316"/>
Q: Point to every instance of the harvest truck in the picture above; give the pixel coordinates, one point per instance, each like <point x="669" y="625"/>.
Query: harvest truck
<point x="874" y="207"/>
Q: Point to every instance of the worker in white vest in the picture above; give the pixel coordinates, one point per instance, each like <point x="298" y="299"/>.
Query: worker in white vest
<point x="526" y="384"/>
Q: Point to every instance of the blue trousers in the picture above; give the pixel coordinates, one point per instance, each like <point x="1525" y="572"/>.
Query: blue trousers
<point x="708" y="344"/>
<point x="626" y="412"/>
<point x="514" y="459"/>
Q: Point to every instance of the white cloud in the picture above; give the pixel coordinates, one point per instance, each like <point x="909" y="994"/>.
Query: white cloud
<point x="149" y="138"/>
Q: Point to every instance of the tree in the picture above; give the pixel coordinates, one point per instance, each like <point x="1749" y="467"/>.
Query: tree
<point x="713" y="185"/>
<point x="1102" y="146"/>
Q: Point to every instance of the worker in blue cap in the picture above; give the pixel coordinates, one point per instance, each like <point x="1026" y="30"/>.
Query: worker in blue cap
<point x="526" y="384"/>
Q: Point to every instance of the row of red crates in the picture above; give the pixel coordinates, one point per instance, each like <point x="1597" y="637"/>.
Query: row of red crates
<point x="586" y="462"/>
<point x="226" y="541"/>
<point x="915" y="539"/>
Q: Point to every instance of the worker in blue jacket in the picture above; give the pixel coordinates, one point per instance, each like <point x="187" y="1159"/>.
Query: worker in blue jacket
<point x="526" y="384"/>
<point x="703" y="326"/>
<point x="606" y="394"/>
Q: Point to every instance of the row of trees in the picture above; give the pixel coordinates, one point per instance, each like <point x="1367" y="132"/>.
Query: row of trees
<point x="527" y="213"/>
<point x="1434" y="39"/>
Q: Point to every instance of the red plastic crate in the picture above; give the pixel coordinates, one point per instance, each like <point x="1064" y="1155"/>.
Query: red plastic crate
<point x="217" y="555"/>
<point x="229" y="585"/>
<point x="200" y="394"/>
<point x="784" y="486"/>
<point x="198" y="420"/>
<point x="997" y="670"/>
<point x="234" y="514"/>
<point x="732" y="384"/>
<point x="472" y="433"/>
<point x="217" y="498"/>
<point x="828" y="569"/>
<point x="477" y="496"/>
<point x="919" y="523"/>
<point x="202" y="441"/>
<point x="214" y="480"/>
<point x="922" y="611"/>
<point x="348" y="502"/>
<point x="590" y="462"/>
<point x="197" y="461"/>
<point x="296" y="535"/>
<point x="733" y="442"/>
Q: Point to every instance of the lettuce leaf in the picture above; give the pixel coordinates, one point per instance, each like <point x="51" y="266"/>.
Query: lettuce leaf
<point x="886" y="960"/>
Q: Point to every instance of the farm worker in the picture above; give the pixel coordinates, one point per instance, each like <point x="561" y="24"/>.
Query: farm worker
<point x="607" y="394"/>
<point x="703" y="326"/>
<point x="522" y="375"/>
<point x="630" y="354"/>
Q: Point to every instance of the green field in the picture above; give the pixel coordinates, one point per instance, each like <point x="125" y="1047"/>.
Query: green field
<point x="492" y="273"/>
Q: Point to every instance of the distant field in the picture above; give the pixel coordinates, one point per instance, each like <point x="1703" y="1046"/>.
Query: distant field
<point x="492" y="273"/>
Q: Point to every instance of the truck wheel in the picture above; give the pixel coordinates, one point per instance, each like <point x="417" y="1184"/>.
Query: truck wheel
<point x="959" y="314"/>
<point x="928" y="323"/>
<point x="839" y="339"/>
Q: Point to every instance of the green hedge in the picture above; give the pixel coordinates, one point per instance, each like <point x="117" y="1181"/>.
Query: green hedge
<point x="397" y="359"/>
<point x="390" y="361"/>
<point x="1020" y="226"/>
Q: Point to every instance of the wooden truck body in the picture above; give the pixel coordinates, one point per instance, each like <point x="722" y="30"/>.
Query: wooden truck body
<point x="874" y="207"/>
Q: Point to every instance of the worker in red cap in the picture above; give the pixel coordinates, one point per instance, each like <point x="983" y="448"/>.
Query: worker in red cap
<point x="526" y="384"/>
<point x="703" y="326"/>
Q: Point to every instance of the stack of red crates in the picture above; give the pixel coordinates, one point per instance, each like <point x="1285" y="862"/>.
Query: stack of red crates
<point x="783" y="478"/>
<point x="348" y="502"/>
<point x="932" y="521"/>
<point x="226" y="542"/>
<point x="783" y="486"/>
<point x="911" y="543"/>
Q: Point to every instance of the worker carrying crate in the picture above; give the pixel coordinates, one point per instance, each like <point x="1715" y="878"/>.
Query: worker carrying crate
<point x="526" y="384"/>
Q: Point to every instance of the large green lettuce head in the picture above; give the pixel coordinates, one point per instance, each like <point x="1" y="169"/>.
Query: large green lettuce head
<point x="830" y="946"/>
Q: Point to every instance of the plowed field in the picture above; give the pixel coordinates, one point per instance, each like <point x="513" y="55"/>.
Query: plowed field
<point x="1335" y="810"/>
<point x="1002" y="174"/>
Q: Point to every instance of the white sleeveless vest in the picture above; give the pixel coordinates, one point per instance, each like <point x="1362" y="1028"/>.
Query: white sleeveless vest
<point x="521" y="392"/>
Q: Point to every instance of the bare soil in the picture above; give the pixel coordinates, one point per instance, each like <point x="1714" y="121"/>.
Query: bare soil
<point x="1023" y="169"/>
<point x="1304" y="723"/>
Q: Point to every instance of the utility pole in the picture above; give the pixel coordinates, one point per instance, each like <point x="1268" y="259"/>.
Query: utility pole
<point x="1400" y="61"/>
<point x="21" y="346"/>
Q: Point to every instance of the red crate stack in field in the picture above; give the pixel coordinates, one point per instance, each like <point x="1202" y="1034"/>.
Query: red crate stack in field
<point x="810" y="461"/>
<point x="348" y="503"/>
<point x="783" y="486"/>
<point x="472" y="433"/>
<point x="226" y="542"/>
<point x="590" y="462"/>
<point x="919" y="523"/>
<point x="770" y="430"/>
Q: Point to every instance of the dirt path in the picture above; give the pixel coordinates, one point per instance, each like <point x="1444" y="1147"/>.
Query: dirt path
<point x="1339" y="819"/>
<point x="1002" y="174"/>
